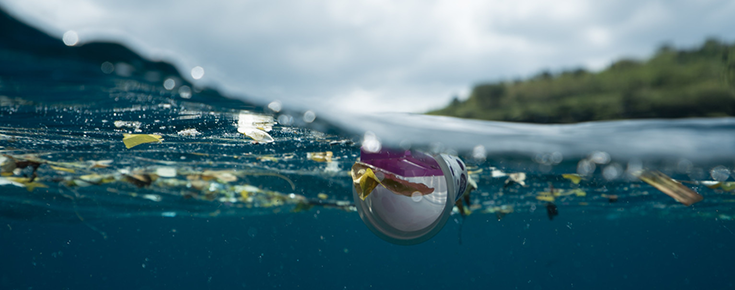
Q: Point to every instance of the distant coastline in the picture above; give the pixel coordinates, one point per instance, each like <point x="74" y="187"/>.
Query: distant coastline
<point x="674" y="83"/>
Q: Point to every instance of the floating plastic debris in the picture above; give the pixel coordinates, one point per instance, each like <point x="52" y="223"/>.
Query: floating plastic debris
<point x="726" y="186"/>
<point x="58" y="168"/>
<point x="132" y="140"/>
<point x="320" y="156"/>
<point x="219" y="175"/>
<point x="189" y="133"/>
<point x="255" y="126"/>
<point x="141" y="180"/>
<point x="99" y="163"/>
<point x="366" y="177"/>
<point x="166" y="172"/>
<point x="26" y="182"/>
<point x="670" y="187"/>
<point x="575" y="178"/>
<point x="518" y="177"/>
<point x="7" y="164"/>
<point x="153" y="197"/>
<point x="135" y="125"/>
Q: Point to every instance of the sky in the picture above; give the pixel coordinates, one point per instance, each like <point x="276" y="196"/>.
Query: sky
<point x="379" y="56"/>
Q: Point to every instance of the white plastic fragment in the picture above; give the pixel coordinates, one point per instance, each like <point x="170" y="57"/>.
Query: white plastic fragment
<point x="189" y="133"/>
<point x="153" y="197"/>
<point x="166" y="171"/>
<point x="255" y="126"/>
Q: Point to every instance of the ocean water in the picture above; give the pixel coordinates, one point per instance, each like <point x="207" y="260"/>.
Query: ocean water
<point x="243" y="195"/>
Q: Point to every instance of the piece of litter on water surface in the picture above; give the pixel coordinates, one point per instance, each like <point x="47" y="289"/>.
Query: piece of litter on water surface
<point x="128" y="124"/>
<point x="153" y="197"/>
<point x="132" y="140"/>
<point x="670" y="187"/>
<point x="518" y="177"/>
<point x="189" y="133"/>
<point x="255" y="126"/>
<point x="166" y="171"/>
<point x="575" y="178"/>
<point x="256" y="134"/>
<point x="320" y="156"/>
<point x="59" y="168"/>
<point x="726" y="186"/>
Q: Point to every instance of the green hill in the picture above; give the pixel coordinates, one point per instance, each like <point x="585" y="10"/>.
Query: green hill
<point x="672" y="84"/>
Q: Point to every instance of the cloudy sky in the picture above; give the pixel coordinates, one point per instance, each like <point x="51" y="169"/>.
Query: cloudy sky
<point x="376" y="55"/>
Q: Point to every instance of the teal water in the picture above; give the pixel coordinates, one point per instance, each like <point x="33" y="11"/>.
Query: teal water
<point x="210" y="207"/>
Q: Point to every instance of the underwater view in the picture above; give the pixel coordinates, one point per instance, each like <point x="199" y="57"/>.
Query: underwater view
<point x="120" y="173"/>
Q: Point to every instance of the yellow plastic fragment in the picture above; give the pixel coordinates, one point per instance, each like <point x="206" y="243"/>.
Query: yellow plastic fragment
<point x="69" y="170"/>
<point x="244" y="194"/>
<point x="99" y="163"/>
<point x="132" y="140"/>
<point x="322" y="196"/>
<point x="544" y="197"/>
<point x="25" y="181"/>
<point x="726" y="186"/>
<point x="367" y="182"/>
<point x="578" y="192"/>
<point x="670" y="187"/>
<point x="268" y="158"/>
<point x="320" y="156"/>
<point x="575" y="178"/>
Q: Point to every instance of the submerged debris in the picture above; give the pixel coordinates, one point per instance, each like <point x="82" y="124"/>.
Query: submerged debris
<point x="611" y="198"/>
<point x="551" y="210"/>
<point x="670" y="187"/>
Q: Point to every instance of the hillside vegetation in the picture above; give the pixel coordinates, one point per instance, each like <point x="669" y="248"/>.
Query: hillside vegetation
<point x="672" y="84"/>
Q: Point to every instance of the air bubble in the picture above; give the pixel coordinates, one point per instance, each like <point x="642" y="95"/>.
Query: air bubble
<point x="197" y="72"/>
<point x="71" y="38"/>
<point x="309" y="116"/>
<point x="275" y="106"/>
<point x="371" y="143"/>
<point x="169" y="84"/>
<point x="107" y="67"/>
<point x="720" y="173"/>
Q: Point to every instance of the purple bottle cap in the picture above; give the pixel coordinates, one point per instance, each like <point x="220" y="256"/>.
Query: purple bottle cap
<point x="405" y="163"/>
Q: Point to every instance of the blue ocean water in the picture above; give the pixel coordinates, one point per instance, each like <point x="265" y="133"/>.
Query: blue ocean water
<point x="209" y="207"/>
